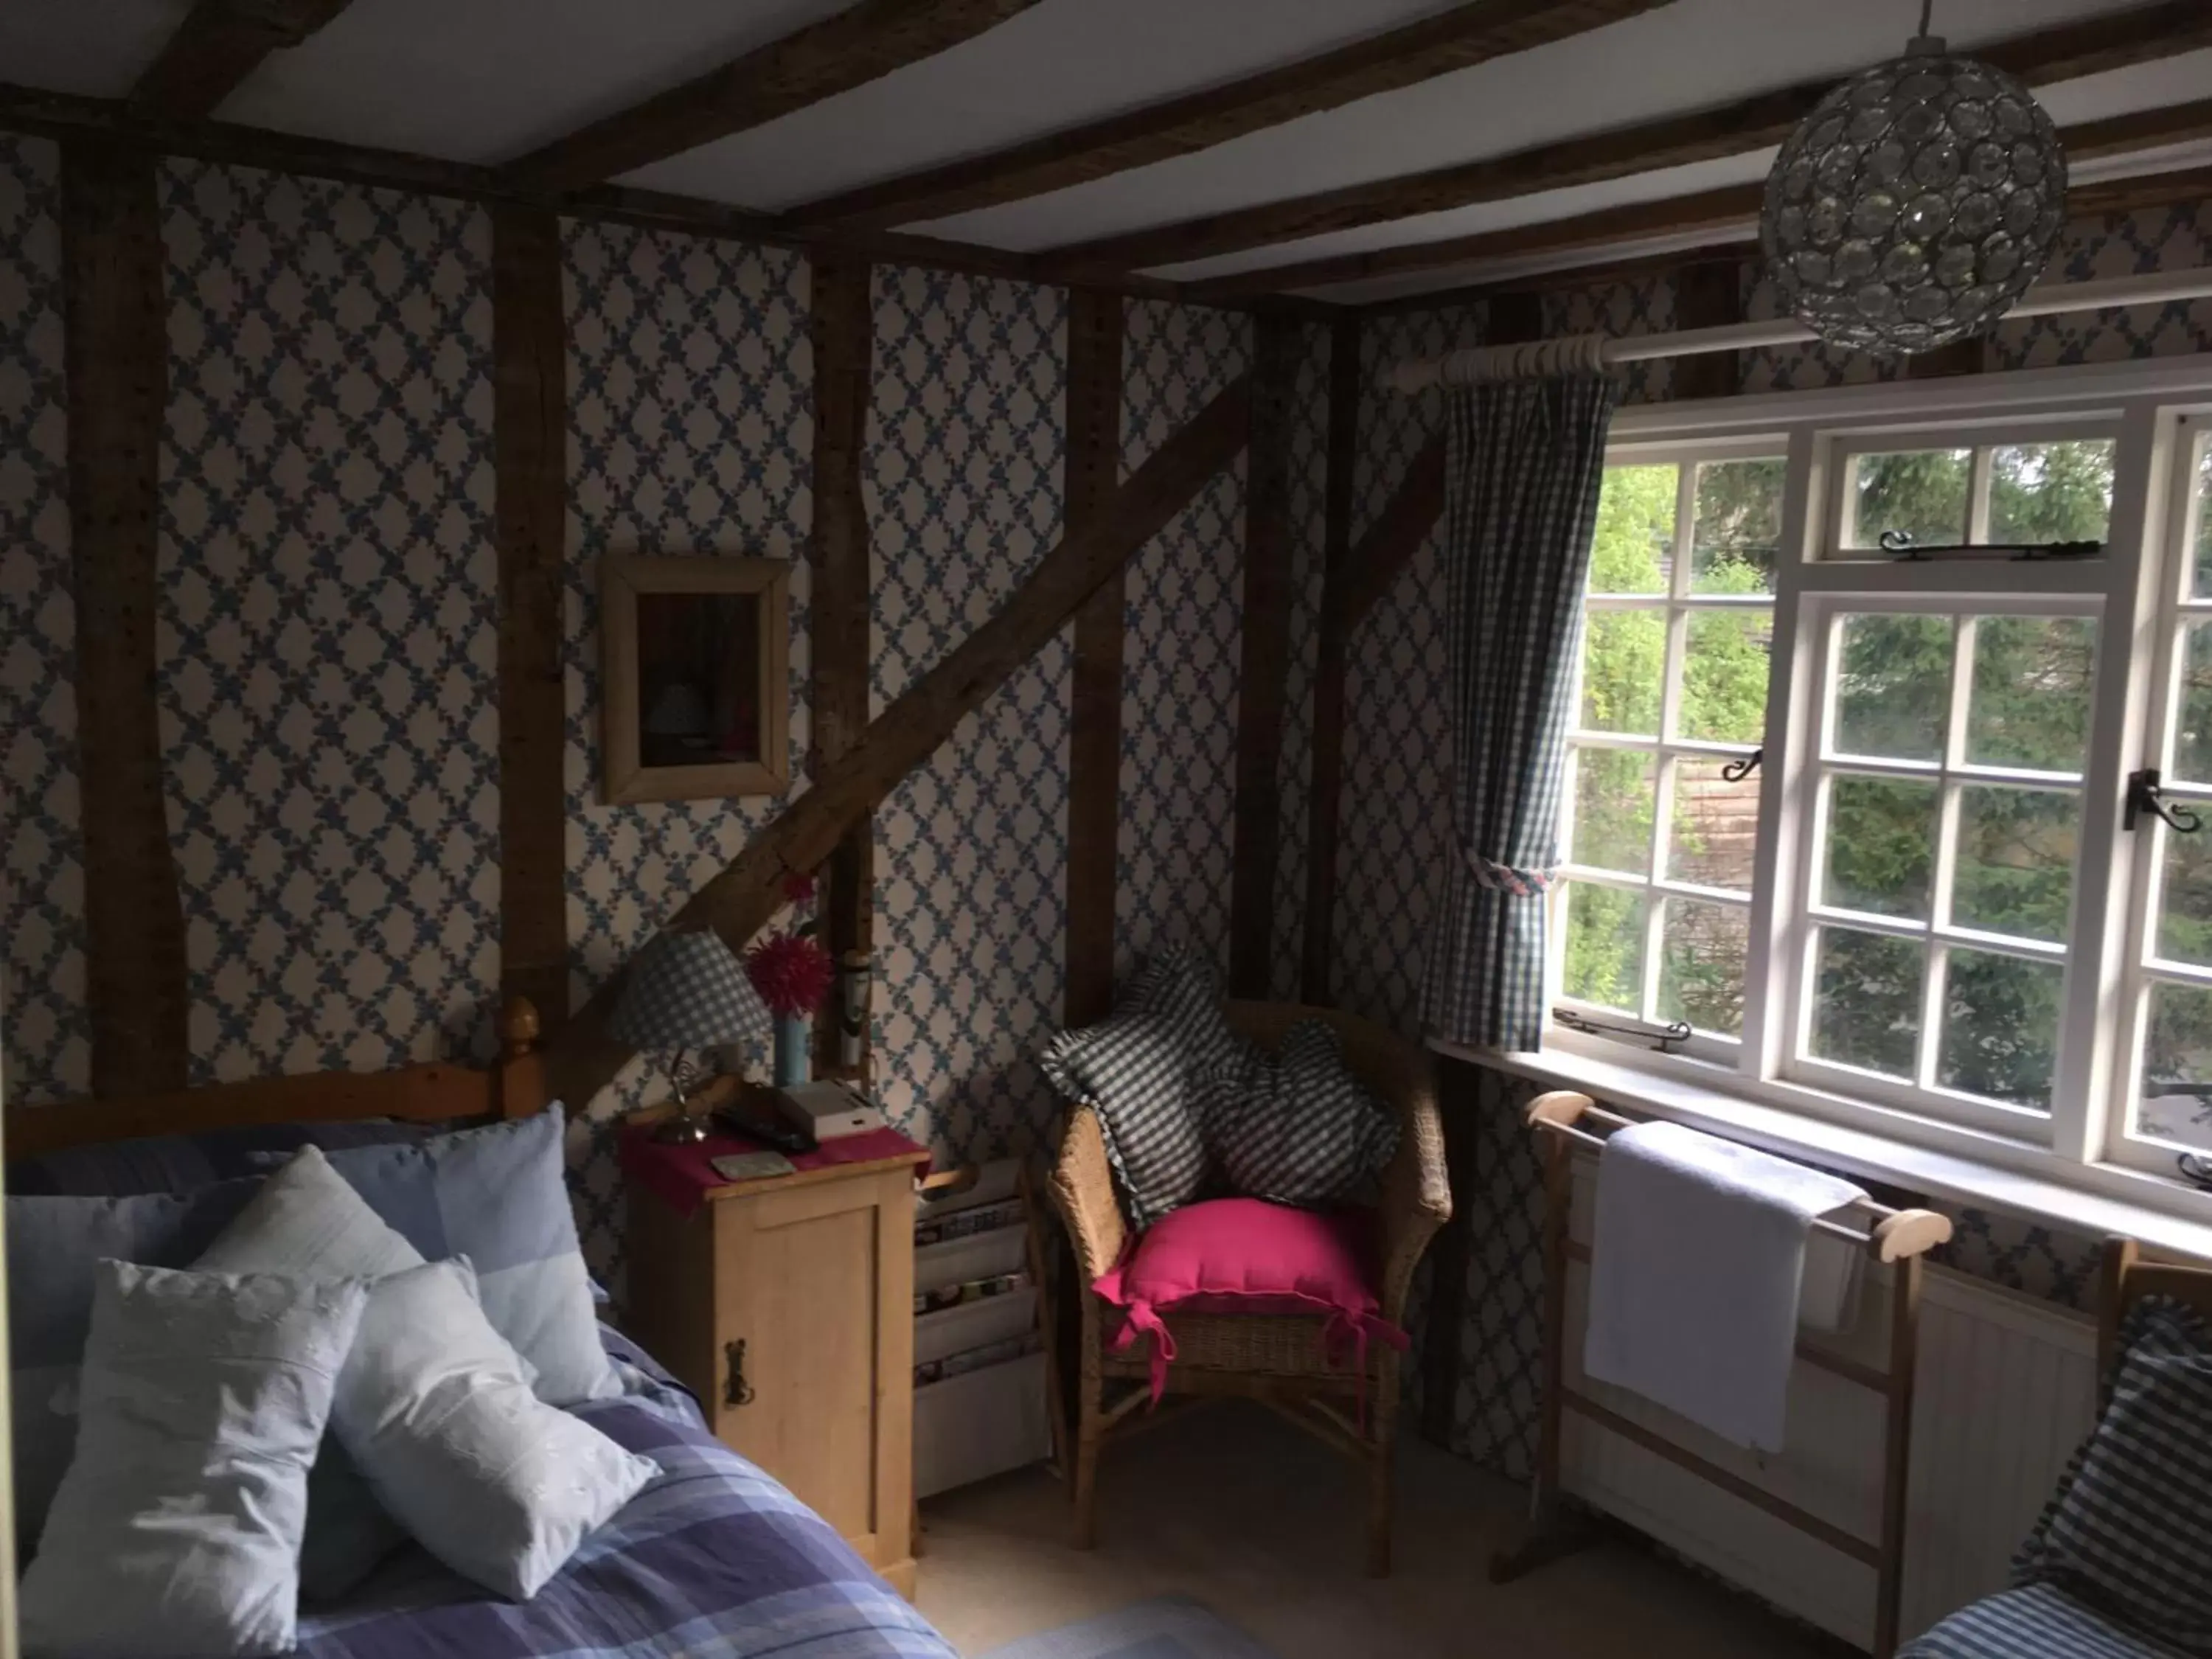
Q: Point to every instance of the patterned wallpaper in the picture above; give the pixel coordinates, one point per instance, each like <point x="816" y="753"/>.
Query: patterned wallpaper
<point x="963" y="479"/>
<point x="49" y="1055"/>
<point x="1182" y="637"/>
<point x="1394" y="800"/>
<point x="326" y="639"/>
<point x="690" y="394"/>
<point x="1309" y="553"/>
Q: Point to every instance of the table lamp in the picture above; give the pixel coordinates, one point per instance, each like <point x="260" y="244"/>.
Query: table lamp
<point x="686" y="991"/>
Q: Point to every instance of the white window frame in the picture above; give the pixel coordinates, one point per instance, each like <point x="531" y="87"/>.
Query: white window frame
<point x="2153" y="411"/>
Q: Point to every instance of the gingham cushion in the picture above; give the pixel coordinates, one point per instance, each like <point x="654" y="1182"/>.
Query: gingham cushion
<point x="2129" y="1529"/>
<point x="2041" y="1621"/>
<point x="1144" y="1069"/>
<point x="1297" y="1127"/>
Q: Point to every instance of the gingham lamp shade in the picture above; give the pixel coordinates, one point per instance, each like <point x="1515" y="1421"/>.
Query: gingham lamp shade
<point x="688" y="991"/>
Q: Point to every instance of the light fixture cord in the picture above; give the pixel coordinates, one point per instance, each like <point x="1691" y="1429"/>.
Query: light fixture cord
<point x="1927" y="15"/>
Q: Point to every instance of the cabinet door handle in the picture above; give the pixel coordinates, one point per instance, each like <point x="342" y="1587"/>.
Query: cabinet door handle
<point x="736" y="1391"/>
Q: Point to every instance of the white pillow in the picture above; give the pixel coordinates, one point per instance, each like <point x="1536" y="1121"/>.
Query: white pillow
<point x="436" y="1411"/>
<point x="176" y="1527"/>
<point x="306" y="1222"/>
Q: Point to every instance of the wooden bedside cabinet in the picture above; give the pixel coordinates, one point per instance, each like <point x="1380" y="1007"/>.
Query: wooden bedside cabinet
<point x="786" y="1304"/>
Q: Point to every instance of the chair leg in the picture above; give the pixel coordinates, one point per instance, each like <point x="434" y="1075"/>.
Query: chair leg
<point x="1380" y="1487"/>
<point x="1089" y="1432"/>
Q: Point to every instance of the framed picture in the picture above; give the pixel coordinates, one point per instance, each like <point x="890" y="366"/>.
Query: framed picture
<point x="697" y="701"/>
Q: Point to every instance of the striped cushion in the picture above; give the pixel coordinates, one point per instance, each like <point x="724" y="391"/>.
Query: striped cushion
<point x="1145" y="1069"/>
<point x="1297" y="1127"/>
<point x="2130" y="1528"/>
<point x="2039" y="1621"/>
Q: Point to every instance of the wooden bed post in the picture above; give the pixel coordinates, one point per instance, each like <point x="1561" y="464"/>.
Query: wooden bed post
<point x="521" y="1067"/>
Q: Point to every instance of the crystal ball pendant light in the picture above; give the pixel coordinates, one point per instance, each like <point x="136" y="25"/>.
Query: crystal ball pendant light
<point x="1915" y="204"/>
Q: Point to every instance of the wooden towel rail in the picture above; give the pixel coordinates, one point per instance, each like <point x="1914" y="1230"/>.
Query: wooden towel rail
<point x="1899" y="1238"/>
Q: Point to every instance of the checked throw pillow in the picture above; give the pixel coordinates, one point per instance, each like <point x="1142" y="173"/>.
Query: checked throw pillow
<point x="1297" y="1127"/>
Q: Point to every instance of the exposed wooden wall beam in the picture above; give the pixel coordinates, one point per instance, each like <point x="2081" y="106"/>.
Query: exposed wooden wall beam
<point x="849" y="49"/>
<point x="843" y="326"/>
<point x="1731" y="208"/>
<point x="116" y="351"/>
<point x="2083" y="47"/>
<point x="1325" y="799"/>
<point x="1095" y="338"/>
<point x="1266" y="661"/>
<point x="1459" y="39"/>
<point x="1708" y="294"/>
<point x="218" y="45"/>
<point x="735" y="903"/>
<point x="529" y="473"/>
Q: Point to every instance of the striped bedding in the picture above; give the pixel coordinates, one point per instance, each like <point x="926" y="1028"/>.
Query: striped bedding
<point x="713" y="1560"/>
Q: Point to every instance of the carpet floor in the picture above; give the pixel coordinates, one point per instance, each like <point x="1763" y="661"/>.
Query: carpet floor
<point x="1237" y="1510"/>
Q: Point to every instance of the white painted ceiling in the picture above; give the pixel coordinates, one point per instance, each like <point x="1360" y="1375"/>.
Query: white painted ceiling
<point x="482" y="80"/>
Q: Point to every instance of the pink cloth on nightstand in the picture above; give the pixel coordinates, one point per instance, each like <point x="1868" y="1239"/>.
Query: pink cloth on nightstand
<point x="1244" y="1255"/>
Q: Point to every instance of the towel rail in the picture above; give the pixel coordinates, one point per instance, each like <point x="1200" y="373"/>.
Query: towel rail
<point x="1899" y="1238"/>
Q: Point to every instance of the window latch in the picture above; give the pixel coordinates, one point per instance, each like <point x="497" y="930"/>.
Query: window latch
<point x="2146" y="795"/>
<point x="1901" y="544"/>
<point x="1737" y="770"/>
<point x="2196" y="1169"/>
<point x="1664" y="1038"/>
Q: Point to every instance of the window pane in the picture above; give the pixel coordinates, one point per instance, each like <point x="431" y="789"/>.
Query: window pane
<point x="2202" y="588"/>
<point x="1737" y="527"/>
<point x="1633" y="549"/>
<point x="1702" y="952"/>
<point x="1882" y="845"/>
<point x="1624" y="666"/>
<point x="2192" y="726"/>
<point x="2060" y="492"/>
<point x="1605" y="947"/>
<point x="1894" y="686"/>
<point x="2015" y="864"/>
<point x="1715" y="826"/>
<point x="1724" y="675"/>
<point x="2177" y="1080"/>
<point x="1866" y="1001"/>
<point x="1922" y="493"/>
<point x="1615" y="797"/>
<point x="2000" y="1027"/>
<point x="2030" y="701"/>
<point x="2184" y="906"/>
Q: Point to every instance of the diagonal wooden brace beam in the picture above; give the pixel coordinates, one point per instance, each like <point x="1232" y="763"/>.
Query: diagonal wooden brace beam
<point x="738" y="901"/>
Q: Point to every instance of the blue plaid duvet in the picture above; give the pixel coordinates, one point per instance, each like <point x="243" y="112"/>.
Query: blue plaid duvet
<point x="713" y="1560"/>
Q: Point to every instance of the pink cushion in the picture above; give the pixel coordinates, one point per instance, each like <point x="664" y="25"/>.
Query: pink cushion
<point x="1245" y="1255"/>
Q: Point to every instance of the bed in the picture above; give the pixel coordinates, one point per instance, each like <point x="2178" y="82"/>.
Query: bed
<point x="713" y="1559"/>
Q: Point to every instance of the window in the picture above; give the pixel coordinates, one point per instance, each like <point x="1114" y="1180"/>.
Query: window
<point x="1867" y="686"/>
<point x="1671" y="704"/>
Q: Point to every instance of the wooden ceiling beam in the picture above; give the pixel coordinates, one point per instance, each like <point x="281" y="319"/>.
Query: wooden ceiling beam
<point x="2067" y="52"/>
<point x="1707" y="211"/>
<point x="856" y="46"/>
<point x="218" y="45"/>
<point x="1458" y="40"/>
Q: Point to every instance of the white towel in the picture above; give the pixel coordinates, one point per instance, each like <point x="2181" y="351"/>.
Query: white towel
<point x="1694" y="1275"/>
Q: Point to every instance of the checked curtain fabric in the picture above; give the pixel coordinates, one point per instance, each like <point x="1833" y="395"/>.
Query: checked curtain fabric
<point x="1525" y="460"/>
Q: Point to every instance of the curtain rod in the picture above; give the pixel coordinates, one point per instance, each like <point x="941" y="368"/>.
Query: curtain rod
<point x="1593" y="353"/>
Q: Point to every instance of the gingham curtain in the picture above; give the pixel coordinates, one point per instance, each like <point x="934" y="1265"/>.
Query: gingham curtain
<point x="1526" y="460"/>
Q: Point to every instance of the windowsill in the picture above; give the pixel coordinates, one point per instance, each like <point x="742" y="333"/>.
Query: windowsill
<point x="2167" y="1215"/>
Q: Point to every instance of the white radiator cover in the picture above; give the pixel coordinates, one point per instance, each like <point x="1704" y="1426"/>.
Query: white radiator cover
<point x="2006" y="1390"/>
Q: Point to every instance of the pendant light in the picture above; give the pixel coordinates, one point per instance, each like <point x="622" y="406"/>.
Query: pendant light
<point x="1915" y="203"/>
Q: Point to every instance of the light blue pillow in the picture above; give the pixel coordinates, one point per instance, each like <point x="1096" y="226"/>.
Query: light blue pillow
<point x="54" y="1247"/>
<point x="500" y="1197"/>
<point x="435" y="1408"/>
<point x="306" y="1222"/>
<point x="177" y="1528"/>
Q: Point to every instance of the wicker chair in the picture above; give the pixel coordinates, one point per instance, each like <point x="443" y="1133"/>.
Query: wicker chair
<point x="1278" y="1361"/>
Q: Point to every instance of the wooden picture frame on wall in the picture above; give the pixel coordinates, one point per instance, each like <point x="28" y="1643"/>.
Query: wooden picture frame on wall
<point x="695" y="700"/>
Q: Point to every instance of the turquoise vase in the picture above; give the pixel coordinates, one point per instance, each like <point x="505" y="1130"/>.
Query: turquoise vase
<point x="794" y="1036"/>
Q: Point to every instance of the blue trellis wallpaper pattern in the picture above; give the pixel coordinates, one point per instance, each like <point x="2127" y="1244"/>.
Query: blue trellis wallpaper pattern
<point x="41" y="856"/>
<point x="1182" y="634"/>
<point x="1309" y="562"/>
<point x="691" y="432"/>
<point x="1394" y="781"/>
<point x="963" y="479"/>
<point x="325" y="633"/>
